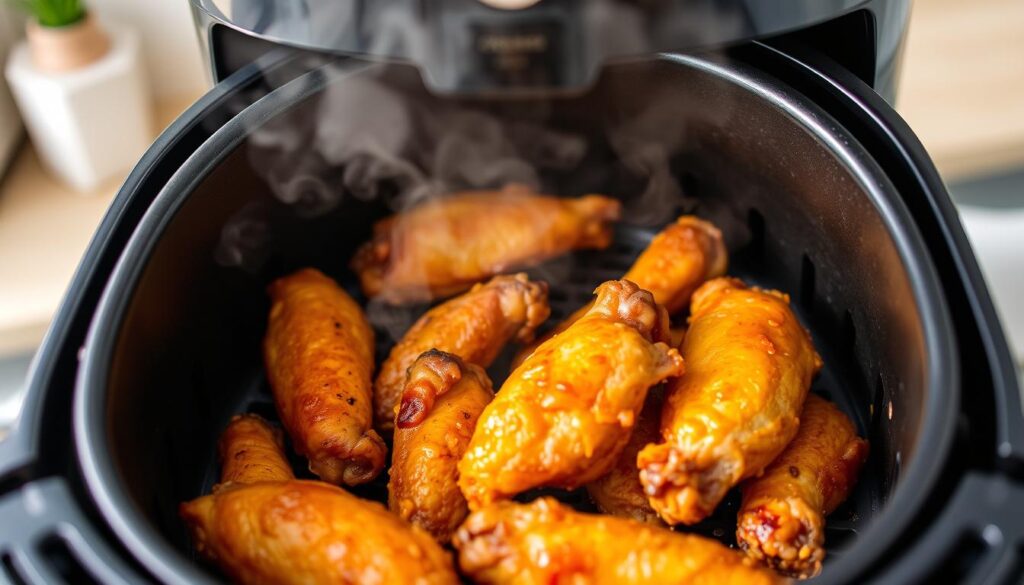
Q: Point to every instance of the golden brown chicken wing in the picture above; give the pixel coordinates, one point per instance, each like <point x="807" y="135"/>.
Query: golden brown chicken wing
<point x="290" y="531"/>
<point x="545" y="542"/>
<point x="445" y="246"/>
<point x="474" y="326"/>
<point x="619" y="492"/>
<point x="252" y="451"/>
<point x="447" y="397"/>
<point x="749" y="367"/>
<point x="563" y="416"/>
<point x="678" y="260"/>
<point x="319" y="357"/>
<point x="782" y="518"/>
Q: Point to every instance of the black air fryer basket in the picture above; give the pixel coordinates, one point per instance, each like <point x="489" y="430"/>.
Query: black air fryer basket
<point x="819" y="188"/>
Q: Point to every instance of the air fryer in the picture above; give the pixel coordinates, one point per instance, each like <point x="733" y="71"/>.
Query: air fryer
<point x="769" y="118"/>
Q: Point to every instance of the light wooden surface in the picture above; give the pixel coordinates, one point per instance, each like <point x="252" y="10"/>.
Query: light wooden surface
<point x="962" y="89"/>
<point x="44" y="229"/>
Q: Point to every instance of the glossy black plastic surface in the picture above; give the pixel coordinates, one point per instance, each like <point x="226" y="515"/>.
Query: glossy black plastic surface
<point x="175" y="344"/>
<point x="468" y="46"/>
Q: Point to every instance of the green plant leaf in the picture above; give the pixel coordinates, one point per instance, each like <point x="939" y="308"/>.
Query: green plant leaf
<point x="54" y="13"/>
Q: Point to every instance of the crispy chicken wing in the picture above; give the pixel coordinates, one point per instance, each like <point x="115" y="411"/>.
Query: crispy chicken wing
<point x="252" y="451"/>
<point x="474" y="326"/>
<point x="546" y="543"/>
<point x="440" y="406"/>
<point x="262" y="526"/>
<point x="563" y="416"/>
<point x="445" y="246"/>
<point x="319" y="357"/>
<point x="619" y="492"/>
<point x="678" y="260"/>
<point x="782" y="518"/>
<point x="749" y="367"/>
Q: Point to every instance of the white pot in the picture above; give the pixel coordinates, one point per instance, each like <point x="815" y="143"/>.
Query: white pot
<point x="89" y="124"/>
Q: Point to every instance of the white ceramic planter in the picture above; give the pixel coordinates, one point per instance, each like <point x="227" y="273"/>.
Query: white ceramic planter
<point x="90" y="124"/>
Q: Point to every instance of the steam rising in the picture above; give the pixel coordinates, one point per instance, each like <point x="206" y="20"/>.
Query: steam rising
<point x="376" y="135"/>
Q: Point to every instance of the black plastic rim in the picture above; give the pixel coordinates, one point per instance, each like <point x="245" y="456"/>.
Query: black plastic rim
<point x="167" y="564"/>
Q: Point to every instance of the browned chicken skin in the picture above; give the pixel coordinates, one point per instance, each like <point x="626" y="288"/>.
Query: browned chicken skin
<point x="563" y="416"/>
<point x="281" y="530"/>
<point x="678" y="260"/>
<point x="474" y="326"/>
<point x="319" y="358"/>
<point x="782" y="518"/>
<point x="447" y="396"/>
<point x="444" y="246"/>
<point x="619" y="492"/>
<point x="252" y="451"/>
<point x="749" y="367"/>
<point x="546" y="543"/>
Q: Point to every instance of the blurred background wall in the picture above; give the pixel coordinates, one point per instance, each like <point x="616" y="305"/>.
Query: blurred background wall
<point x="169" y="43"/>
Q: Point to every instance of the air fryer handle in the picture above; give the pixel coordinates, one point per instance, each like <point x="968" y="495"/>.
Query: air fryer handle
<point x="978" y="537"/>
<point x="45" y="538"/>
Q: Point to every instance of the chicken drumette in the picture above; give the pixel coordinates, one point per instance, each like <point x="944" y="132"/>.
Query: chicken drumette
<point x="442" y="401"/>
<point x="261" y="525"/>
<point x="474" y="326"/>
<point x="782" y="518"/>
<point x="678" y="260"/>
<point x="319" y="358"/>
<point x="749" y="366"/>
<point x="444" y="246"/>
<point x="563" y="416"/>
<point x="545" y="542"/>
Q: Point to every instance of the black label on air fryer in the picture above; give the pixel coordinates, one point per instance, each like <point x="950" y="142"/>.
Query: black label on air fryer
<point x="518" y="55"/>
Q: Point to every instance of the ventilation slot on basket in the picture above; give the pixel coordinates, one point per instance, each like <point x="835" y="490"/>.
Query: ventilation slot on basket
<point x="807" y="282"/>
<point x="64" y="562"/>
<point x="10" y="571"/>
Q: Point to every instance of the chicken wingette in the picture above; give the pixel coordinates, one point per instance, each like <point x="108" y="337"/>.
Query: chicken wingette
<point x="749" y="366"/>
<point x="261" y="525"/>
<point x="679" y="259"/>
<point x="447" y="396"/>
<point x="445" y="246"/>
<point x="474" y="326"/>
<point x="782" y="518"/>
<point x="545" y="542"/>
<point x="318" y="352"/>
<point x="564" y="415"/>
<point x="619" y="492"/>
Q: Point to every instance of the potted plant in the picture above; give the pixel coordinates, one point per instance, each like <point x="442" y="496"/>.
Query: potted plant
<point x="81" y="91"/>
<point x="62" y="35"/>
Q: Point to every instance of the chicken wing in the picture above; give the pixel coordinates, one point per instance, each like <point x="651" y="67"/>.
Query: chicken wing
<point x="678" y="260"/>
<point x="447" y="397"/>
<point x="319" y="357"/>
<point x="444" y="246"/>
<point x="563" y="416"/>
<point x="474" y="326"/>
<point x="782" y="518"/>
<point x="280" y="530"/>
<point x="619" y="492"/>
<point x="749" y="367"/>
<point x="545" y="542"/>
<point x="252" y="451"/>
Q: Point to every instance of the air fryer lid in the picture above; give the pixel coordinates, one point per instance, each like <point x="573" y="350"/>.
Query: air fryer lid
<point x="481" y="45"/>
<point x="173" y="350"/>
